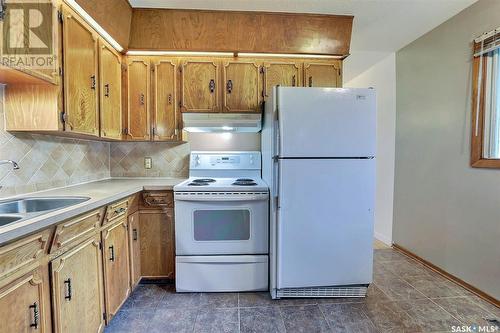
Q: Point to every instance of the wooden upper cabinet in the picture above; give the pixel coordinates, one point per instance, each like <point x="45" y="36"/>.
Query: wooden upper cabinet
<point x="77" y="290"/>
<point x="199" y="86"/>
<point x="22" y="305"/>
<point x="116" y="266"/>
<point x="80" y="76"/>
<point x="286" y="74"/>
<point x="242" y="86"/>
<point x="323" y="74"/>
<point x="138" y="125"/>
<point x="110" y="92"/>
<point x="165" y="120"/>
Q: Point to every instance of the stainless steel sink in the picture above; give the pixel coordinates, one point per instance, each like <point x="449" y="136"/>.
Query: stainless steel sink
<point x="16" y="210"/>
<point x="6" y="219"/>
<point x="35" y="205"/>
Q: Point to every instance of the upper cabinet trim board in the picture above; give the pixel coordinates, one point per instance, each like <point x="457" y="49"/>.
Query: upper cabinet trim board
<point x="228" y="31"/>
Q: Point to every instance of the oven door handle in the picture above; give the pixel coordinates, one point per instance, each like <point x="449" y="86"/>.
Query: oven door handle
<point x="221" y="197"/>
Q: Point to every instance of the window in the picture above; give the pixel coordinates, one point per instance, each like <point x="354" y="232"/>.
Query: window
<point x="485" y="149"/>
<point x="221" y="225"/>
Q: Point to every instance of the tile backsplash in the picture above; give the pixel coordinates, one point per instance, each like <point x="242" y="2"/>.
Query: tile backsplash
<point x="168" y="159"/>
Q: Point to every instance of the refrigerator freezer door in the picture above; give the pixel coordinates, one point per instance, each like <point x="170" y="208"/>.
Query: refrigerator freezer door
<point x="325" y="222"/>
<point x="326" y="122"/>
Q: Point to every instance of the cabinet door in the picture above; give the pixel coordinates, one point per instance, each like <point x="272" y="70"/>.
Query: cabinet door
<point x="199" y="86"/>
<point x="242" y="89"/>
<point x="116" y="266"/>
<point x="80" y="76"/>
<point x="22" y="304"/>
<point x="110" y="69"/>
<point x="166" y="124"/>
<point x="286" y="74"/>
<point x="135" y="248"/>
<point x="322" y="74"/>
<point x="77" y="290"/>
<point x="138" y="116"/>
<point x="157" y="243"/>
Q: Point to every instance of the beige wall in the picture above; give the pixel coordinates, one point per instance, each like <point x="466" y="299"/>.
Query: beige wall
<point x="48" y="161"/>
<point x="377" y="70"/>
<point x="445" y="211"/>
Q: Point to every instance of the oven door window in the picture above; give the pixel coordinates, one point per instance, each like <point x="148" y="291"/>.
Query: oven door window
<point x="221" y="225"/>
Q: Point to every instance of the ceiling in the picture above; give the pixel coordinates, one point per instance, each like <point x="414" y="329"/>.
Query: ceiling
<point x="379" y="25"/>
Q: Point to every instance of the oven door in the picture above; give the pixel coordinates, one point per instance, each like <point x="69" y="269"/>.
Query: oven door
<point x="208" y="223"/>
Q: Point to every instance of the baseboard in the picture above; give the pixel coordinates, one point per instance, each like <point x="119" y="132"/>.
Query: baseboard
<point x="448" y="276"/>
<point x="384" y="239"/>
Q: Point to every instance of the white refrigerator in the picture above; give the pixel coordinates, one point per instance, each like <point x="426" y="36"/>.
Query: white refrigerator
<point x="318" y="155"/>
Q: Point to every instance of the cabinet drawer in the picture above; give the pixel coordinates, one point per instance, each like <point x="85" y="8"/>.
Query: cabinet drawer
<point x="76" y="230"/>
<point x="157" y="199"/>
<point x="116" y="210"/>
<point x="23" y="253"/>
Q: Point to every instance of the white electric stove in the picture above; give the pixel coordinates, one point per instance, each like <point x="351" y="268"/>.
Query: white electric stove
<point x="221" y="224"/>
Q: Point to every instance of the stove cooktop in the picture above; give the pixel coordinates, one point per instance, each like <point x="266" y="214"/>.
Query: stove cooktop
<point x="221" y="184"/>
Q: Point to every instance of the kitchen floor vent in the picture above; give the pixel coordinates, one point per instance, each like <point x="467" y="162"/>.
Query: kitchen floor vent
<point x="347" y="291"/>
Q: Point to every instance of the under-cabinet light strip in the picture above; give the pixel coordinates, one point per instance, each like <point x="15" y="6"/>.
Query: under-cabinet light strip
<point x="230" y="54"/>
<point x="76" y="7"/>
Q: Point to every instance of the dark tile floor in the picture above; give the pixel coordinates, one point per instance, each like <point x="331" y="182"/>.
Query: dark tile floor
<point x="405" y="297"/>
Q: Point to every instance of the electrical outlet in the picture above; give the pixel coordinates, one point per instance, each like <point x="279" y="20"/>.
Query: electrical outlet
<point x="148" y="162"/>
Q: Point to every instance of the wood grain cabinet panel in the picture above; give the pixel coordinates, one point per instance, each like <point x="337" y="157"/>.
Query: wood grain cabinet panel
<point x="157" y="243"/>
<point x="166" y="118"/>
<point x="282" y="73"/>
<point x="138" y="114"/>
<point x="323" y="74"/>
<point x="77" y="289"/>
<point x="110" y="92"/>
<point x="242" y="88"/>
<point x="199" y="86"/>
<point x="134" y="232"/>
<point x="80" y="76"/>
<point x="23" y="254"/>
<point x="116" y="266"/>
<point x="24" y="306"/>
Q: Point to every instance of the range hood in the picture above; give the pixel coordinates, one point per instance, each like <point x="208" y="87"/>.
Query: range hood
<point x="222" y="122"/>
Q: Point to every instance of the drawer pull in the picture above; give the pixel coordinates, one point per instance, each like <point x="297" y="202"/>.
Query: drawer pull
<point x="36" y="315"/>
<point x="120" y="210"/>
<point x="68" y="289"/>
<point x="111" y="253"/>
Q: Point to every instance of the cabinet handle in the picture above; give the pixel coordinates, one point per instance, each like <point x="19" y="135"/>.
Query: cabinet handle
<point x="310" y="81"/>
<point x="106" y="90"/>
<point x="229" y="86"/>
<point x="112" y="253"/>
<point x="92" y="82"/>
<point x="141" y="99"/>
<point x="68" y="289"/>
<point x="36" y="315"/>
<point x="119" y="211"/>
<point x="134" y="234"/>
<point x="211" y="86"/>
<point x="169" y="99"/>
<point x="293" y="81"/>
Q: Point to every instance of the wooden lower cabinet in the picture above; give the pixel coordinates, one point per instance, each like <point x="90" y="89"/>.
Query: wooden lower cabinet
<point x="116" y="265"/>
<point x="24" y="305"/>
<point x="157" y="243"/>
<point x="77" y="289"/>
<point x="135" y="248"/>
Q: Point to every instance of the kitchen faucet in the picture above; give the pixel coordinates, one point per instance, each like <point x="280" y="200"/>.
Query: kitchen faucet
<point x="15" y="166"/>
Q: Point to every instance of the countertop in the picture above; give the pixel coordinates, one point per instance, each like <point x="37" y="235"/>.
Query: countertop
<point x="101" y="193"/>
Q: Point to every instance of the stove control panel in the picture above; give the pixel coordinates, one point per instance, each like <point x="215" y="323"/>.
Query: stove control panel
<point x="224" y="160"/>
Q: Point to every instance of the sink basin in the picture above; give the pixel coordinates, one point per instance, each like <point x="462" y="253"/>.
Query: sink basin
<point x="37" y="205"/>
<point x="6" y="219"/>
